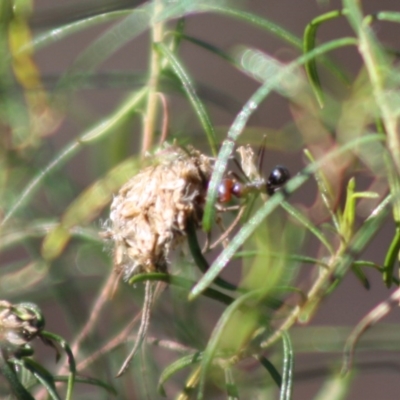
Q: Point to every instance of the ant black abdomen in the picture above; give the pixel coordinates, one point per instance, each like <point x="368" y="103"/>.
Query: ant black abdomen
<point x="277" y="178"/>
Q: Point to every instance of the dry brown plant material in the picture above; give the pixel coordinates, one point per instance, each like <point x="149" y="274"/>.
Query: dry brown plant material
<point x="19" y="324"/>
<point x="150" y="213"/>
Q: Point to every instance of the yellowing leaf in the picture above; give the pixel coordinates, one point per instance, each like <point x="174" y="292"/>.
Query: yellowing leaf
<point x="87" y="206"/>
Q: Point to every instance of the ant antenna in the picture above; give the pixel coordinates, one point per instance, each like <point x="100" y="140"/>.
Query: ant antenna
<point x="261" y="153"/>
<point x="240" y="168"/>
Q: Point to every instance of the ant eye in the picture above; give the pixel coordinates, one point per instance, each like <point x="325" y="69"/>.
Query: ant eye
<point x="277" y="178"/>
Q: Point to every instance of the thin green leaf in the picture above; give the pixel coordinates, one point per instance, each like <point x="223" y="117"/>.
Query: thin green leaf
<point x="212" y="345"/>
<point x="391" y="16"/>
<point x="244" y="115"/>
<point x="294" y="212"/>
<point x="336" y="387"/>
<point x="309" y="44"/>
<point x="231" y="387"/>
<point x="178" y="34"/>
<point x="325" y="191"/>
<point x="289" y="257"/>
<point x="181" y="283"/>
<point x="89" y="381"/>
<point x="211" y="48"/>
<point x="393" y="252"/>
<point x="349" y="213"/>
<point x="39" y="228"/>
<point x="51" y="36"/>
<point x="51" y="337"/>
<point x="370" y="264"/>
<point x="16" y="387"/>
<point x="359" y="273"/>
<point x="175" y="367"/>
<point x="378" y="68"/>
<point x="109" y="42"/>
<point x="199" y="259"/>
<point x="188" y="87"/>
<point x="277" y="31"/>
<point x="288" y="366"/>
<point x="41" y="374"/>
<point x="138" y="20"/>
<point x="14" y="111"/>
<point x="391" y="258"/>
<point x="275" y="375"/>
<point x="260" y="22"/>
<point x="361" y="238"/>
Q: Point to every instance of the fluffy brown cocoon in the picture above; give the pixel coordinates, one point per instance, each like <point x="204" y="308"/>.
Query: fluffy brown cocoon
<point x="150" y="213"/>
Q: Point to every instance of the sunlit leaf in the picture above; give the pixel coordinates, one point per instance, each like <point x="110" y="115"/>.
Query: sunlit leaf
<point x="87" y="206"/>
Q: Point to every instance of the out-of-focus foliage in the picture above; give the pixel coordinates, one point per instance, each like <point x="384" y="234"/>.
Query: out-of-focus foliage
<point x="61" y="162"/>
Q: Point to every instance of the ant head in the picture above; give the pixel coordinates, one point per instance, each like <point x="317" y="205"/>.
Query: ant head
<point x="277" y="178"/>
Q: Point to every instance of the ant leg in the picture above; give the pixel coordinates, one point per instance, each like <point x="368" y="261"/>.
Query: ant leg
<point x="224" y="237"/>
<point x="206" y="246"/>
<point x="222" y="209"/>
<point x="224" y="241"/>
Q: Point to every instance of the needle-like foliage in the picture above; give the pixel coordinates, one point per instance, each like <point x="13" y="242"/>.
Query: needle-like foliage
<point x="123" y="162"/>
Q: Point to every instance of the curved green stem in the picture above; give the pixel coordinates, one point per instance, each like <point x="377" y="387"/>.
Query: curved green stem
<point x="199" y="259"/>
<point x="181" y="283"/>
<point x="309" y="37"/>
<point x="288" y="366"/>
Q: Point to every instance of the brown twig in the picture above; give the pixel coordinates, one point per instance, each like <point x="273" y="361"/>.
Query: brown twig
<point x="375" y="315"/>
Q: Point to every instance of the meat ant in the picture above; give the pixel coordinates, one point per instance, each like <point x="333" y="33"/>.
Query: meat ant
<point x="255" y="183"/>
<point x="252" y="183"/>
<point x="233" y="187"/>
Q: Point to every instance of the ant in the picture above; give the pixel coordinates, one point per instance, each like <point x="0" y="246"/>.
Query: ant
<point x="232" y="186"/>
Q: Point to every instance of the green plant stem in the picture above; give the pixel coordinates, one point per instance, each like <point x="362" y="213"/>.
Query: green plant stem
<point x="288" y="365"/>
<point x="309" y="39"/>
<point x="377" y="68"/>
<point x="150" y="115"/>
<point x="338" y="265"/>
